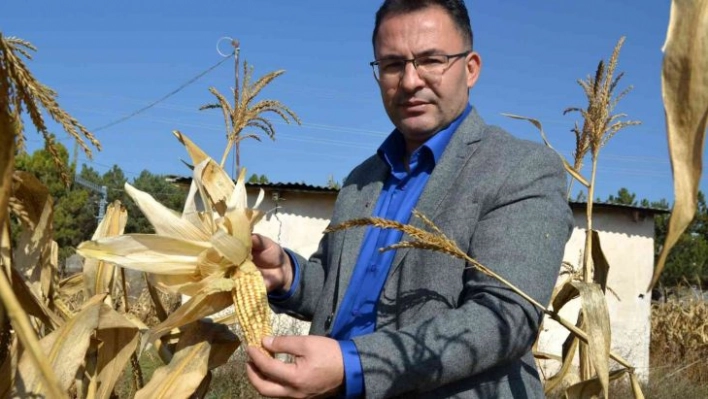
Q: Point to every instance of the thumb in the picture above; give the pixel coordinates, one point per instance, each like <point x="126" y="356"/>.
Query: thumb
<point x="292" y="345"/>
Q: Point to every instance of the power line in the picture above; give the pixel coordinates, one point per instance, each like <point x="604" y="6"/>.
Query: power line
<point x="168" y="95"/>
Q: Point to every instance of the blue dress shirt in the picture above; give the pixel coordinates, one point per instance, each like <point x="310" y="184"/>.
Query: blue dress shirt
<point x="357" y="313"/>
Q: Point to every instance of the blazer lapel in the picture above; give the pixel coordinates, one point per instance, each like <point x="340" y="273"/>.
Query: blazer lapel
<point x="457" y="153"/>
<point x="362" y="206"/>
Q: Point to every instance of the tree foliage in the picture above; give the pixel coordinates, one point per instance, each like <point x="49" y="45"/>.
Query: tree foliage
<point x="688" y="261"/>
<point x="76" y="207"/>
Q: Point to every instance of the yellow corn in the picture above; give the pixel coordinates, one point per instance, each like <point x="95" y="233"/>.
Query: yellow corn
<point x="251" y="303"/>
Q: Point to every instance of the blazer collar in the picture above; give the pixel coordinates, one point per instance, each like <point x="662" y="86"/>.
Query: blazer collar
<point x="457" y="153"/>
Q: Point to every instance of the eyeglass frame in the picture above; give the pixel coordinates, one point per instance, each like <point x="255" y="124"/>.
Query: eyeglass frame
<point x="374" y="64"/>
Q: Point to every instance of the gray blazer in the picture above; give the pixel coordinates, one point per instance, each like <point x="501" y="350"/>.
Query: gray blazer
<point x="444" y="330"/>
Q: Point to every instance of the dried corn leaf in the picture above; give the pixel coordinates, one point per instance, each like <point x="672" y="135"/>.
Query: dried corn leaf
<point x="567" y="293"/>
<point x="568" y="167"/>
<point x="570" y="347"/>
<point x="28" y="338"/>
<point x="166" y="221"/>
<point x="203" y="346"/>
<point x="119" y="339"/>
<point x="215" y="298"/>
<point x="685" y="93"/>
<point x="5" y="247"/>
<point x="597" y="326"/>
<point x="600" y="265"/>
<point x="99" y="276"/>
<point x="71" y="285"/>
<point x="155" y="297"/>
<point x="8" y="130"/>
<point x="546" y="356"/>
<point x="31" y="197"/>
<point x="590" y="389"/>
<point x="636" y="388"/>
<point x="146" y="252"/>
<point x="64" y="349"/>
<point x="31" y="304"/>
<point x="187" y="284"/>
<point x="8" y="369"/>
<point x="203" y="387"/>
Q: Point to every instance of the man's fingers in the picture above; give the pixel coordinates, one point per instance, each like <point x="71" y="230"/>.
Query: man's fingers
<point x="263" y="385"/>
<point x="291" y="344"/>
<point x="271" y="369"/>
<point x="258" y="243"/>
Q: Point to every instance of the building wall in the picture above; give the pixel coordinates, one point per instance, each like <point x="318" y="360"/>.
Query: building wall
<point x="296" y="220"/>
<point x="626" y="238"/>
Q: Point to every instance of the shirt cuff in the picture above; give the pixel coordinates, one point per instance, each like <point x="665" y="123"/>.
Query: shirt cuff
<point x="353" y="375"/>
<point x="280" y="296"/>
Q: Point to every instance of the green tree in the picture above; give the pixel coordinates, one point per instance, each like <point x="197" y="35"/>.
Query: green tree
<point x="688" y="260"/>
<point x="624" y="197"/>
<point x="76" y="207"/>
<point x="255" y="179"/>
<point x="74" y="218"/>
<point x="163" y="191"/>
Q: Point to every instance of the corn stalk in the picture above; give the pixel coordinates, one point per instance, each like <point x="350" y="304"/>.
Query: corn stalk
<point x="244" y="113"/>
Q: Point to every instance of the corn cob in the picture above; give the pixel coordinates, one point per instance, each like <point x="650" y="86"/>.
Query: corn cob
<point x="251" y="304"/>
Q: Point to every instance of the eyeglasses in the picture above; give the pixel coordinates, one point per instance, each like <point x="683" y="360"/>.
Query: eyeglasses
<point x="429" y="67"/>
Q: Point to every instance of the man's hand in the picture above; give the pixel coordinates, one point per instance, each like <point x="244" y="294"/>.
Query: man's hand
<point x="318" y="369"/>
<point x="273" y="262"/>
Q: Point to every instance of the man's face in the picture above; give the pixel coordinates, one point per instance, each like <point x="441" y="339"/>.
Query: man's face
<point x="421" y="105"/>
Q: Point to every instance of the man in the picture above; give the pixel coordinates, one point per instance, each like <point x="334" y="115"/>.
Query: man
<point x="415" y="323"/>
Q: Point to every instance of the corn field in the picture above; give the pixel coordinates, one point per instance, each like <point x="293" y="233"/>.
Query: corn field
<point x="79" y="336"/>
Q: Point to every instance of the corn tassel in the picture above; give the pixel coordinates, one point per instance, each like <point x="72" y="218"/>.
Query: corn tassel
<point x="251" y="305"/>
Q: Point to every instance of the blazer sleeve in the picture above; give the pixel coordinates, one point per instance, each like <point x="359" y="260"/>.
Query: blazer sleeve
<point x="522" y="237"/>
<point x="306" y="291"/>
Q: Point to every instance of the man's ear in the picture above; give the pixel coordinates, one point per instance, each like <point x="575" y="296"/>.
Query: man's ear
<point x="474" y="67"/>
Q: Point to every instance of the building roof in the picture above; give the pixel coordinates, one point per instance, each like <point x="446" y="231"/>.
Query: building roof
<point x="309" y="188"/>
<point x="608" y="206"/>
<point x="301" y="187"/>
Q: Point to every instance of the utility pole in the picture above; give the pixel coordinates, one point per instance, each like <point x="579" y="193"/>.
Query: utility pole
<point x="103" y="190"/>
<point x="237" y="153"/>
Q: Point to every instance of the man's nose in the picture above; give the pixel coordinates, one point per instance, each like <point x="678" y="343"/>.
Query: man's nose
<point x="410" y="79"/>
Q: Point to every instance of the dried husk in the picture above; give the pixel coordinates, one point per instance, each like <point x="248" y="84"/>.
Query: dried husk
<point x="202" y="346"/>
<point x="64" y="349"/>
<point x="214" y="298"/>
<point x="99" y="276"/>
<point x="119" y="339"/>
<point x="147" y="253"/>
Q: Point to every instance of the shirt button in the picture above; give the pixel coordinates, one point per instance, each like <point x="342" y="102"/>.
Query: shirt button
<point x="372" y="268"/>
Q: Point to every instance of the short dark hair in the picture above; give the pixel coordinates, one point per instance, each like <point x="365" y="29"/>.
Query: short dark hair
<point x="455" y="8"/>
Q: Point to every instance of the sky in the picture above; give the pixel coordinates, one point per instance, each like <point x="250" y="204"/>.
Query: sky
<point x="109" y="59"/>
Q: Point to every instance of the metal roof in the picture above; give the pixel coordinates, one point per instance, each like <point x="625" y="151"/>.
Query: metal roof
<point x="309" y="188"/>
<point x="606" y="205"/>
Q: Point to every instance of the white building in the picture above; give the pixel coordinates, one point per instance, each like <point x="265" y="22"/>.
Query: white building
<point x="299" y="214"/>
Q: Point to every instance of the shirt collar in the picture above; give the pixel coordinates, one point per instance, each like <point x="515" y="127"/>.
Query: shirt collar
<point x="393" y="148"/>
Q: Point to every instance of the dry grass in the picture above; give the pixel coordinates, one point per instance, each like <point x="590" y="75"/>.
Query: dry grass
<point x="679" y="340"/>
